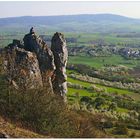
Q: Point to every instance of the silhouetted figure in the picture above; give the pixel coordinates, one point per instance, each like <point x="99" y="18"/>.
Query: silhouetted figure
<point x="32" y="31"/>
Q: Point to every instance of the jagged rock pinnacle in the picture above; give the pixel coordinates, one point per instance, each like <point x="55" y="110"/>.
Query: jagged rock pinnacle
<point x="59" y="49"/>
<point x="34" y="65"/>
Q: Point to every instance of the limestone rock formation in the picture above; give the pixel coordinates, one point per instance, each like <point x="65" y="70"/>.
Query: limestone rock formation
<point x="22" y="68"/>
<point x="59" y="49"/>
<point x="35" y="44"/>
<point x="33" y="64"/>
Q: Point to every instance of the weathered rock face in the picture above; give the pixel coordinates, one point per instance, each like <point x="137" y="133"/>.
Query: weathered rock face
<point x="22" y="68"/>
<point x="16" y="43"/>
<point x="34" y="65"/>
<point x="59" y="49"/>
<point x="35" y="44"/>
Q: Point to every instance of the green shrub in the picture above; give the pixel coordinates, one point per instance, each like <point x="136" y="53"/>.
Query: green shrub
<point x="108" y="124"/>
<point x="47" y="114"/>
<point x="113" y="106"/>
<point x="133" y="135"/>
<point x="99" y="101"/>
<point x="86" y="99"/>
<point x="120" y="130"/>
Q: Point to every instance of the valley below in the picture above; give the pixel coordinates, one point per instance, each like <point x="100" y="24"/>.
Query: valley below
<point x="103" y="79"/>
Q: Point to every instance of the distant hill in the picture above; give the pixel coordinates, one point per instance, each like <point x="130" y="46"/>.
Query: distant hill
<point x="83" y="23"/>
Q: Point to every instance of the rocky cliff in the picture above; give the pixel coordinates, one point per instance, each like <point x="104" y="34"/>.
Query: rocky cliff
<point x="33" y="64"/>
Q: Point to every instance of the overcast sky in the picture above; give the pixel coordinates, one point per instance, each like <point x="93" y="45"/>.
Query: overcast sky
<point x="44" y="8"/>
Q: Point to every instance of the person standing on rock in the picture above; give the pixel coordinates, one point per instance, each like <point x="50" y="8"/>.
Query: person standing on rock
<point x="32" y="31"/>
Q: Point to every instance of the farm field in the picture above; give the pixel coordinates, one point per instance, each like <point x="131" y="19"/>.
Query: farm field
<point x="98" y="62"/>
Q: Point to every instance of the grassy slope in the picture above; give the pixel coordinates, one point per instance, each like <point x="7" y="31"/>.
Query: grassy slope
<point x="109" y="89"/>
<point x="16" y="132"/>
<point x="82" y="92"/>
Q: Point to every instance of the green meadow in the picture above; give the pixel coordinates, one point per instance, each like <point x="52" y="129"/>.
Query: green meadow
<point x="98" y="62"/>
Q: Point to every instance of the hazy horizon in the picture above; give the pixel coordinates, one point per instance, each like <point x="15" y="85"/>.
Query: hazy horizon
<point x="68" y="15"/>
<point x="47" y="8"/>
